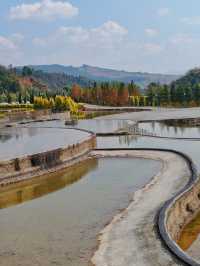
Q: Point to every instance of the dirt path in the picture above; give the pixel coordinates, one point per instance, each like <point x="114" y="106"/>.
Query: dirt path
<point x="131" y="239"/>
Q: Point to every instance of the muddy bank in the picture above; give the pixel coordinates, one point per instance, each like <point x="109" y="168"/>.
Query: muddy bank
<point x="131" y="238"/>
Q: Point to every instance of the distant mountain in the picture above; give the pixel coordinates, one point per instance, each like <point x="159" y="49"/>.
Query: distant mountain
<point x="104" y="74"/>
<point x="10" y="82"/>
<point x="56" y="81"/>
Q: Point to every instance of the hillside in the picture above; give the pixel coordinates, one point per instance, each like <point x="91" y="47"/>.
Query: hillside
<point x="8" y="80"/>
<point x="12" y="82"/>
<point x="185" y="91"/>
<point x="103" y="74"/>
<point x="189" y="81"/>
<point x="56" y="81"/>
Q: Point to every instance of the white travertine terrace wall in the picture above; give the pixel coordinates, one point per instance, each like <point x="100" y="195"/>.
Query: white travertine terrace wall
<point x="16" y="169"/>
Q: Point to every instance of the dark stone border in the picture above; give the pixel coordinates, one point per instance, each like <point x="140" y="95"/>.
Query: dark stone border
<point x="160" y="221"/>
<point x="119" y="109"/>
<point x="166" y="137"/>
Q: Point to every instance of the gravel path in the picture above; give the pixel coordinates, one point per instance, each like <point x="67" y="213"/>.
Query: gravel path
<point x="131" y="239"/>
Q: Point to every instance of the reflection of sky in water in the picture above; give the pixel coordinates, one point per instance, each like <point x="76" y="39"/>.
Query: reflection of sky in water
<point x="102" y="126"/>
<point x="171" y="131"/>
<point x="36" y="138"/>
<point x="16" y="142"/>
<point x="191" y="148"/>
<point x="61" y="227"/>
<point x="99" y="126"/>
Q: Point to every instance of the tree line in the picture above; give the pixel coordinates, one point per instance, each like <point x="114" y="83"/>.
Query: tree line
<point x="106" y="93"/>
<point x="24" y="87"/>
<point x="182" y="92"/>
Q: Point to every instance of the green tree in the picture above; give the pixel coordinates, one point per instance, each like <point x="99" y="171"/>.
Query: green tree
<point x="27" y="71"/>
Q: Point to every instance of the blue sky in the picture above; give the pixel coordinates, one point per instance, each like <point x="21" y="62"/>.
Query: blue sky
<point x="146" y="35"/>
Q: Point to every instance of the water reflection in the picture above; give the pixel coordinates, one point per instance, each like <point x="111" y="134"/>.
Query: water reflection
<point x="35" y="140"/>
<point x="61" y="227"/>
<point x="97" y="126"/>
<point x="5" y="137"/>
<point x="165" y="130"/>
<point x="128" y="139"/>
<point x="192" y="231"/>
<point x="35" y="188"/>
<point x="191" y="148"/>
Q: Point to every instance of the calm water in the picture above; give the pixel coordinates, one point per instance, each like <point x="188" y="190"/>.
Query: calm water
<point x="60" y="228"/>
<point x="191" y="148"/>
<point x="16" y="142"/>
<point x="192" y="231"/>
<point x="97" y="126"/>
<point x="161" y="129"/>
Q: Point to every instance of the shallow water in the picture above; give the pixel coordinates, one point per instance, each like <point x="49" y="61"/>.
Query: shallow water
<point x="83" y="200"/>
<point x="97" y="126"/>
<point x="60" y="228"/>
<point x="191" y="148"/>
<point x="161" y="129"/>
<point x="17" y="142"/>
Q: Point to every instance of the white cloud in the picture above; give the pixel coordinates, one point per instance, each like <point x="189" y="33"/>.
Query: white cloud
<point x="162" y="12"/>
<point x="191" y="20"/>
<point x="6" y="44"/>
<point x="152" y="48"/>
<point x="78" y="45"/>
<point x="111" y="27"/>
<point x="107" y="45"/>
<point x="182" y="39"/>
<point x="151" y="32"/>
<point x="39" y="42"/>
<point x="107" y="35"/>
<point x="9" y="50"/>
<point x="73" y="34"/>
<point x="43" y="10"/>
<point x="17" y="38"/>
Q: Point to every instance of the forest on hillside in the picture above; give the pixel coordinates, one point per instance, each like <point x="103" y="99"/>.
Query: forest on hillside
<point x="22" y="86"/>
<point x="183" y="92"/>
<point x="57" y="81"/>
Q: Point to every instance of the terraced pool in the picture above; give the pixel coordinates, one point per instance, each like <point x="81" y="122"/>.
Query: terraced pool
<point x="55" y="219"/>
<point x="17" y="142"/>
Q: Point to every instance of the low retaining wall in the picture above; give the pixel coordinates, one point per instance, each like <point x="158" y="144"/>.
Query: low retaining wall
<point x="31" y="116"/>
<point x="178" y="212"/>
<point x="182" y="211"/>
<point x="18" y="168"/>
<point x="117" y="109"/>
